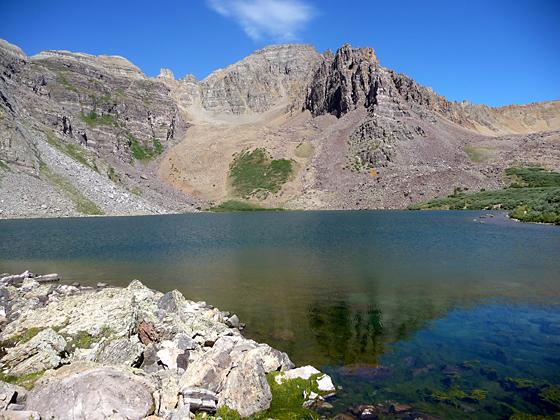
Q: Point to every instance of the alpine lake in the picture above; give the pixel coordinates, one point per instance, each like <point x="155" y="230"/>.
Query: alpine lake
<point x="456" y="313"/>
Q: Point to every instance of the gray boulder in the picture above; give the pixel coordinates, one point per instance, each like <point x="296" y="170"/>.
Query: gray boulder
<point x="123" y="351"/>
<point x="10" y="395"/>
<point x="246" y="389"/>
<point x="42" y="352"/>
<point x="89" y="391"/>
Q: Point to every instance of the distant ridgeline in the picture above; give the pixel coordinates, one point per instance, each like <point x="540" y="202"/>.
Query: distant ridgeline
<point x="533" y="196"/>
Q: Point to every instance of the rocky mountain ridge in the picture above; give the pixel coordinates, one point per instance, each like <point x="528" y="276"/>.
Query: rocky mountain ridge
<point x="93" y="132"/>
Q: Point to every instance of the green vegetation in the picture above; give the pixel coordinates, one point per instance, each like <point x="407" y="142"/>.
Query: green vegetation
<point x="83" y="205"/>
<point x="93" y="119"/>
<point x="136" y="191"/>
<point x="75" y="151"/>
<point x="141" y="151"/>
<point x="304" y="150"/>
<point x="227" y="413"/>
<point x="113" y="175"/>
<point x="235" y="205"/>
<point x="64" y="82"/>
<point x="4" y="166"/>
<point x="84" y="340"/>
<point x="255" y="173"/>
<point x="533" y="196"/>
<point x="455" y="394"/>
<point x="551" y="395"/>
<point x="477" y="154"/>
<point x="21" y="338"/>
<point x="26" y="381"/>
<point x="287" y="399"/>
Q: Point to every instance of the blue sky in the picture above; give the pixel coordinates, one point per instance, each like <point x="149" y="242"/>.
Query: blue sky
<point x="487" y="51"/>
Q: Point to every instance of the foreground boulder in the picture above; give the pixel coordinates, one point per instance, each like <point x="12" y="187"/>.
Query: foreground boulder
<point x="91" y="392"/>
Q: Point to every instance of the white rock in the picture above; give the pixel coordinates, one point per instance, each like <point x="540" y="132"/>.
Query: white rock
<point x="304" y="372"/>
<point x="325" y="384"/>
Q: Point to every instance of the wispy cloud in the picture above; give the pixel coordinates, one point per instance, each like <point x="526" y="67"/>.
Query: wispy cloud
<point x="280" y="20"/>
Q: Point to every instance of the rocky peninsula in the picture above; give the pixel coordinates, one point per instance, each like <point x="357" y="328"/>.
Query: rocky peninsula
<point x="77" y="352"/>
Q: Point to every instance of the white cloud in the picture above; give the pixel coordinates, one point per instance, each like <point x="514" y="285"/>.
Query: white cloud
<point x="280" y="20"/>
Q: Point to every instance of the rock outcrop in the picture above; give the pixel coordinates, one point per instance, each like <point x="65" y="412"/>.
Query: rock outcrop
<point x="129" y="353"/>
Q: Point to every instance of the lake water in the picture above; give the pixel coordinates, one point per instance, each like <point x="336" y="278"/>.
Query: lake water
<point x="455" y="314"/>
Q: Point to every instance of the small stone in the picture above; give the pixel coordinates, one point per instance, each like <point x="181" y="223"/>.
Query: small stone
<point x="233" y="321"/>
<point x="147" y="333"/>
<point x="101" y="285"/>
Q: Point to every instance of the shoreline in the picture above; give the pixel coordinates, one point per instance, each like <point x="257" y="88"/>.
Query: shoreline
<point x="164" y="355"/>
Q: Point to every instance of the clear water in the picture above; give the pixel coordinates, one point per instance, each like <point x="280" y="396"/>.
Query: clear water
<point x="419" y="307"/>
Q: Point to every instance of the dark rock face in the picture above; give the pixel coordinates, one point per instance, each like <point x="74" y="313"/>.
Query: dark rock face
<point x="344" y="81"/>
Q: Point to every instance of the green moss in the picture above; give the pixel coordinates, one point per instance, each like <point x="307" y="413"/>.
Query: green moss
<point x="235" y="205"/>
<point x="534" y="196"/>
<point x="21" y="338"/>
<point x="142" y="152"/>
<point x="477" y="154"/>
<point x="83" y="205"/>
<point x="26" y="381"/>
<point x="255" y="173"/>
<point x="287" y="399"/>
<point x="93" y="119"/>
<point x="227" y="413"/>
<point x="84" y="340"/>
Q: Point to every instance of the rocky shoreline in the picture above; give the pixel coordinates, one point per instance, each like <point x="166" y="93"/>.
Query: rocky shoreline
<point x="77" y="352"/>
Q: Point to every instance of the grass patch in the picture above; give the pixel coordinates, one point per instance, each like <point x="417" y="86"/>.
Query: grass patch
<point x="26" y="381"/>
<point x="304" y="150"/>
<point x="84" y="340"/>
<point x="64" y="82"/>
<point x="142" y="152"/>
<point x="4" y="166"/>
<point x="477" y="154"/>
<point x="75" y="151"/>
<point x="93" y="119"/>
<point x="236" y="205"/>
<point x="83" y="205"/>
<point x="21" y="338"/>
<point x="255" y="173"/>
<point x="137" y="191"/>
<point x="113" y="175"/>
<point x="534" y="196"/>
<point x="287" y="399"/>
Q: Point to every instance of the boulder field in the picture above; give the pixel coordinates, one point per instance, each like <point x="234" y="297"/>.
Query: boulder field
<point x="73" y="352"/>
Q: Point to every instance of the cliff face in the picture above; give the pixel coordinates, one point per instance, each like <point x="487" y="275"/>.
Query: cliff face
<point x="101" y="113"/>
<point x="260" y="81"/>
<point x="126" y="143"/>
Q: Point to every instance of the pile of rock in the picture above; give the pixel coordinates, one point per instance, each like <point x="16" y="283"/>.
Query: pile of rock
<point x="129" y="353"/>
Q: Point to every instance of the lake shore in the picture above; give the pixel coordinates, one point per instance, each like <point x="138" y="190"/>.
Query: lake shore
<point x="134" y="352"/>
